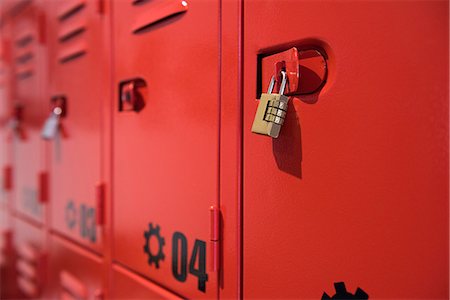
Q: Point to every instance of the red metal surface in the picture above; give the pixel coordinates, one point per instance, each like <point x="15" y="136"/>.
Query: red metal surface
<point x="355" y="189"/>
<point x="5" y="111"/>
<point x="78" y="65"/>
<point x="127" y="285"/>
<point x="230" y="150"/>
<point x="165" y="185"/>
<point x="29" y="90"/>
<point x="30" y="248"/>
<point x="177" y="130"/>
<point x="8" y="288"/>
<point x="80" y="277"/>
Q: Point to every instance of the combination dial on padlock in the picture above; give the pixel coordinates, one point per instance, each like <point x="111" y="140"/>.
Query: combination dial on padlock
<point x="271" y="110"/>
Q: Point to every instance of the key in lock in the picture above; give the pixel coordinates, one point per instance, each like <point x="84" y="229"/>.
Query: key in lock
<point x="271" y="110"/>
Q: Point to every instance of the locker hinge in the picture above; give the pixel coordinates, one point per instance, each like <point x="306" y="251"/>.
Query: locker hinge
<point x="43" y="187"/>
<point x="101" y="7"/>
<point x="100" y="195"/>
<point x="42" y="28"/>
<point x="7" y="178"/>
<point x="215" y="239"/>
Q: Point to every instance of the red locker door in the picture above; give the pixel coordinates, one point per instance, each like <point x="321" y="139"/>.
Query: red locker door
<point x="30" y="258"/>
<point x="79" y="87"/>
<point x="28" y="55"/>
<point x="5" y="113"/>
<point x="127" y="285"/>
<point x="80" y="277"/>
<point x="355" y="189"/>
<point x="166" y="153"/>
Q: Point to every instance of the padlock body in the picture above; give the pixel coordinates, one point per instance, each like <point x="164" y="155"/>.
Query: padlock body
<point x="270" y="114"/>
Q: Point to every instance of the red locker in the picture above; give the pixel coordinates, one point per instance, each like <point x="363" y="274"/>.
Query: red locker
<point x="29" y="64"/>
<point x="30" y="258"/>
<point x="355" y="189"/>
<point x="80" y="277"/>
<point x="165" y="141"/>
<point x="5" y="113"/>
<point x="127" y="285"/>
<point x="79" y="84"/>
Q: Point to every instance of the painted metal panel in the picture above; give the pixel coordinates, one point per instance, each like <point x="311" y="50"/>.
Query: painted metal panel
<point x="79" y="69"/>
<point x="127" y="285"/>
<point x="355" y="189"/>
<point x="5" y="112"/>
<point x="80" y="277"/>
<point x="29" y="63"/>
<point x="7" y="258"/>
<point x="30" y="258"/>
<point x="166" y="155"/>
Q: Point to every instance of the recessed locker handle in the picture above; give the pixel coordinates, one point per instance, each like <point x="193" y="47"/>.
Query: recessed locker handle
<point x="131" y="94"/>
<point x="15" y="123"/>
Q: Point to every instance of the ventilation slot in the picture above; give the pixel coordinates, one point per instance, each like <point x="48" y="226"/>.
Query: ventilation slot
<point x="73" y="287"/>
<point x="29" y="261"/>
<point x="139" y="2"/>
<point x="157" y="13"/>
<point x="71" y="55"/>
<point x="24" y="52"/>
<point x="24" y="57"/>
<point x="70" y="9"/>
<point x="71" y="34"/>
<point x="25" y="40"/>
<point x="72" y="31"/>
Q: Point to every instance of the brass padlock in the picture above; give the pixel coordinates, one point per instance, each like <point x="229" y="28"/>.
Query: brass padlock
<point x="271" y="110"/>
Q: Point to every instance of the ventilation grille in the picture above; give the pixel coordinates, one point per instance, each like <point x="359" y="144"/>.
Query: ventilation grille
<point x="24" y="54"/>
<point x="29" y="262"/>
<point x="154" y="13"/>
<point x="72" y="26"/>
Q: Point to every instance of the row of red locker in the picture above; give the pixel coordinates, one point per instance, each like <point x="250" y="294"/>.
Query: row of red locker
<point x="126" y="146"/>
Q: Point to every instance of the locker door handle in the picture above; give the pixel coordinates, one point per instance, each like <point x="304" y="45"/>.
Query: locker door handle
<point x="131" y="95"/>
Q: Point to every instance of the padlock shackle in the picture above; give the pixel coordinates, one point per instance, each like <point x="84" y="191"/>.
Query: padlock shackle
<point x="282" y="86"/>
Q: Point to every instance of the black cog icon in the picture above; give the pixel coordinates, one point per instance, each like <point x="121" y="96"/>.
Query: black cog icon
<point x="341" y="293"/>
<point x="154" y="258"/>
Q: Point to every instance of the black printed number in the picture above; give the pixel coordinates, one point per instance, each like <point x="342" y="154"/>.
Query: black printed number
<point x="197" y="263"/>
<point x="200" y="253"/>
<point x="178" y="239"/>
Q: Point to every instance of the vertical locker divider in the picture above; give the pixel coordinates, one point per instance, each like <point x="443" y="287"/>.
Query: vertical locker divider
<point x="106" y="148"/>
<point x="230" y="283"/>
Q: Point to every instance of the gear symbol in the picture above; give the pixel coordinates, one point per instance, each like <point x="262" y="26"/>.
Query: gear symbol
<point x="341" y="293"/>
<point x="147" y="235"/>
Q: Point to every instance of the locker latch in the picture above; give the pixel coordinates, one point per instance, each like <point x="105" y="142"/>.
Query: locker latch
<point x="306" y="69"/>
<point x="52" y="125"/>
<point x="130" y="93"/>
<point x="16" y="122"/>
